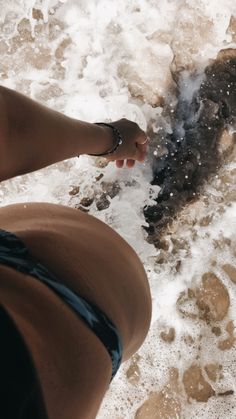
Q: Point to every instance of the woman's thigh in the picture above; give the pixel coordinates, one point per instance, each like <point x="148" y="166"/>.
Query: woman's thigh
<point x="89" y="257"/>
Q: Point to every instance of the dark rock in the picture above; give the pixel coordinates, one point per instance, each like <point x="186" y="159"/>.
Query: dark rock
<point x="193" y="147"/>
<point x="103" y="202"/>
<point x="74" y="191"/>
<point x="86" y="202"/>
<point x="111" y="188"/>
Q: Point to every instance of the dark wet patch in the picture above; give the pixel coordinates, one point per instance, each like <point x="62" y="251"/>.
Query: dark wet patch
<point x="192" y="150"/>
<point x="226" y="393"/>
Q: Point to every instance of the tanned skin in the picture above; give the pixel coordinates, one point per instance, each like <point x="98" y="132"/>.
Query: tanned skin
<point x="73" y="366"/>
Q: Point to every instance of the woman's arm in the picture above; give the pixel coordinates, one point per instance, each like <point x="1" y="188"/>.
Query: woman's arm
<point x="33" y="136"/>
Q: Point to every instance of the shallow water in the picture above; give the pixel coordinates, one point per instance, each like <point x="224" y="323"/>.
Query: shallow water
<point x="106" y="60"/>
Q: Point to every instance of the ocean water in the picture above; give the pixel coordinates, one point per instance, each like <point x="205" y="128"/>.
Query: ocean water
<point x="104" y="60"/>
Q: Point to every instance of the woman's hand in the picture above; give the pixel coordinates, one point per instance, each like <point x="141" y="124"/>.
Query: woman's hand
<point x="134" y="146"/>
<point x="33" y="136"/>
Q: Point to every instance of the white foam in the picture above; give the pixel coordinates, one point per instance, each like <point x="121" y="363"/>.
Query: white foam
<point x="116" y="64"/>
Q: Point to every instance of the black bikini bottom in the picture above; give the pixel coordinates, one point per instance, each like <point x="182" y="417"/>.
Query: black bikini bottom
<point x="15" y="254"/>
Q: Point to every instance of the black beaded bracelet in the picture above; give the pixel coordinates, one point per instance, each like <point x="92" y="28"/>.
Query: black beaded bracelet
<point x="117" y="136"/>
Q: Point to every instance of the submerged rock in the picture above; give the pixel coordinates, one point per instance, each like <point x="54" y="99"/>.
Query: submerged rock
<point x="213" y="371"/>
<point x="160" y="405"/>
<point x="228" y="343"/>
<point x="195" y="385"/>
<point x="133" y="373"/>
<point x="230" y="270"/>
<point x="86" y="202"/>
<point x="168" y="335"/>
<point x="210" y="302"/>
<point x="165" y="404"/>
<point x="212" y="298"/>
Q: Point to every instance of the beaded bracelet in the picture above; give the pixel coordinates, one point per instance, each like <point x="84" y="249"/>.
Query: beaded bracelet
<point x="117" y="136"/>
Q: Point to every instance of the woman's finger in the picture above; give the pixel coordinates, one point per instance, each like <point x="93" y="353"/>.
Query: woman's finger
<point x="130" y="163"/>
<point x="119" y="163"/>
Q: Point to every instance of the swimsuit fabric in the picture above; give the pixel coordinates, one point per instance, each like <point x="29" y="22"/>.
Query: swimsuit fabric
<point x="15" y="254"/>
